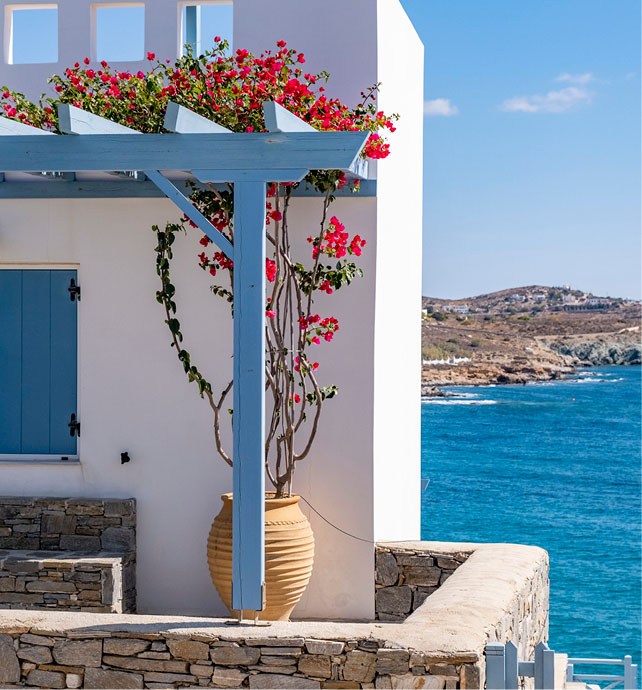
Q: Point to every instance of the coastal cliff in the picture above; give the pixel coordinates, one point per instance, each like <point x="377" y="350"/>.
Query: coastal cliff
<point x="622" y="348"/>
<point x="522" y="335"/>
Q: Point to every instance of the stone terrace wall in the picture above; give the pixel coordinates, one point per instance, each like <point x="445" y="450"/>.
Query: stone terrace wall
<point x="500" y="593"/>
<point x="405" y="577"/>
<point x="122" y="660"/>
<point x="87" y="525"/>
<point x="102" y="583"/>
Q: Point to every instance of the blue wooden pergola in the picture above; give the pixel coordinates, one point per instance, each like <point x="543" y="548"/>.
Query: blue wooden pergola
<point x="210" y="154"/>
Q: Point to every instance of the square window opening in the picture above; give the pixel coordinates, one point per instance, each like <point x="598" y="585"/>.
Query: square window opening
<point x="201" y="23"/>
<point x="119" y="32"/>
<point x="31" y="34"/>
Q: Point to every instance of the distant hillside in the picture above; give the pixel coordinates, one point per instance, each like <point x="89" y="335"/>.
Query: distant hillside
<point x="535" y="298"/>
<point x="527" y="333"/>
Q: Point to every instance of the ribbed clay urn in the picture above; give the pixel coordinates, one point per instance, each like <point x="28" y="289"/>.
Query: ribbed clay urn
<point x="289" y="554"/>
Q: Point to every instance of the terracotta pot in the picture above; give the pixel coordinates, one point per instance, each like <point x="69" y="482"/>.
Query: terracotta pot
<point x="289" y="554"/>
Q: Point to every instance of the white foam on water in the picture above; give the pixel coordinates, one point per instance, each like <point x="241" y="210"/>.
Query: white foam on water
<point x="441" y="401"/>
<point x="595" y="380"/>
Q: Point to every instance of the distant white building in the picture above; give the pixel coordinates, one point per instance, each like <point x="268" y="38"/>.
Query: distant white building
<point x="456" y="308"/>
<point x="538" y="298"/>
<point x="460" y="309"/>
<point x="516" y="297"/>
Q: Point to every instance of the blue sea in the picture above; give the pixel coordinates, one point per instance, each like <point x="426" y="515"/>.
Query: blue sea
<point x="554" y="464"/>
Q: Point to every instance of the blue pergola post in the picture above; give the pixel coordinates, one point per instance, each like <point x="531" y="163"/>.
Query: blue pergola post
<point x="248" y="507"/>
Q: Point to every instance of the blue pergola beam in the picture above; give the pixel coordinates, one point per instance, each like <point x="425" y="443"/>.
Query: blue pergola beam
<point x="279" y="119"/>
<point x="75" y="121"/>
<point x="121" y="187"/>
<point x="217" y="176"/>
<point x="182" y="120"/>
<point x="188" y="208"/>
<point x="230" y="152"/>
<point x="15" y="127"/>
<point x="72" y="120"/>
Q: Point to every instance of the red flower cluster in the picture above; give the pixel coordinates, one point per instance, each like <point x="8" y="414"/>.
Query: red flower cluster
<point x="316" y="328"/>
<point x="217" y="262"/>
<point x="270" y="270"/>
<point x="337" y="245"/>
<point x="303" y="365"/>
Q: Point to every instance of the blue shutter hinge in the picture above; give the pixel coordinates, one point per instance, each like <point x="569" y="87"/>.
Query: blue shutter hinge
<point x="74" y="426"/>
<point x="74" y="290"/>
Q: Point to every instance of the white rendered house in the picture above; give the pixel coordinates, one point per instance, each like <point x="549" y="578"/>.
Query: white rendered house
<point x="364" y="473"/>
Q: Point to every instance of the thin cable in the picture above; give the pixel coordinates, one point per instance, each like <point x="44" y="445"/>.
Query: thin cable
<point x="367" y="541"/>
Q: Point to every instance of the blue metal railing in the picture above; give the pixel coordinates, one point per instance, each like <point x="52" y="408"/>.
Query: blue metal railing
<point x="627" y="680"/>
<point x="504" y="669"/>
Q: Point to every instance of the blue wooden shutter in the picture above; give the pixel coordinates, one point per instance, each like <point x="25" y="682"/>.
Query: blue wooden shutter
<point x="38" y="361"/>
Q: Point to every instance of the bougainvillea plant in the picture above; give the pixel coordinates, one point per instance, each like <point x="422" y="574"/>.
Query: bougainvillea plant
<point x="230" y="90"/>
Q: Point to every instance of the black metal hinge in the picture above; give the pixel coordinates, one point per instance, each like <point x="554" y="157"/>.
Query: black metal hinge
<point x="74" y="426"/>
<point x="74" y="290"/>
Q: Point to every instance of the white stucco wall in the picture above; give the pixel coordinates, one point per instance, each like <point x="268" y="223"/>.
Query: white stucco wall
<point x="397" y="356"/>
<point x="363" y="473"/>
<point x="75" y="40"/>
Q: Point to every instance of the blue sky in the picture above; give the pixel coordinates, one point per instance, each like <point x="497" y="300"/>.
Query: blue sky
<point x="532" y="138"/>
<point x="521" y="187"/>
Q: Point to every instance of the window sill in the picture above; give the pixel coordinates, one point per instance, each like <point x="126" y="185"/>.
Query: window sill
<point x="35" y="460"/>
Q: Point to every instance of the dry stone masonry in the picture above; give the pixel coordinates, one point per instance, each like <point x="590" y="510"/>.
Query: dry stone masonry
<point x="405" y="577"/>
<point x="126" y="660"/>
<point x="86" y="525"/>
<point x="498" y="592"/>
<point x="77" y="582"/>
<point x="74" y="554"/>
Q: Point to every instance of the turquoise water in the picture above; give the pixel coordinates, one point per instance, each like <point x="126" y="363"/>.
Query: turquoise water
<point x="556" y="465"/>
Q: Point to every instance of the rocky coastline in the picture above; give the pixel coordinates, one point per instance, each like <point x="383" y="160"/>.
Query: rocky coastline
<point x="602" y="350"/>
<point x="546" y="358"/>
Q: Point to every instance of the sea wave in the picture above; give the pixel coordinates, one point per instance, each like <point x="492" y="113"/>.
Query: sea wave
<point x="442" y="401"/>
<point x="595" y="380"/>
